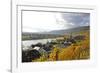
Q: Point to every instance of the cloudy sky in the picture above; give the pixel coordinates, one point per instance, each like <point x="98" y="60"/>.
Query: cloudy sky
<point x="34" y="21"/>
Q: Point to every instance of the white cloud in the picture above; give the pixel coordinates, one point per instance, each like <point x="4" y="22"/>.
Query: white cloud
<point x="34" y="21"/>
<point x="42" y="21"/>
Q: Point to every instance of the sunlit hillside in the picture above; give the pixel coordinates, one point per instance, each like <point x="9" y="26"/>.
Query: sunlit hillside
<point x="78" y="50"/>
<point x="74" y="45"/>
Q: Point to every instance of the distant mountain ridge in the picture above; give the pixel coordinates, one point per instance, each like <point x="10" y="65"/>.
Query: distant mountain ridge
<point x="52" y="34"/>
<point x="76" y="29"/>
<point x="71" y="30"/>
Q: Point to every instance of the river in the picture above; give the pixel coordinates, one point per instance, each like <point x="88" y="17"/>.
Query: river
<point x="27" y="43"/>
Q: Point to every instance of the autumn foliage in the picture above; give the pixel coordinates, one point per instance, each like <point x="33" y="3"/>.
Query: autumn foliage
<point x="76" y="51"/>
<point x="79" y="50"/>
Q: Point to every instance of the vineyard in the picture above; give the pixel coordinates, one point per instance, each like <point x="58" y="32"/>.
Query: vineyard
<point x="75" y="46"/>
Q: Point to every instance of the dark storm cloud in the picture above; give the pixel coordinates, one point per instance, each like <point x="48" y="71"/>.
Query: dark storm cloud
<point x="77" y="19"/>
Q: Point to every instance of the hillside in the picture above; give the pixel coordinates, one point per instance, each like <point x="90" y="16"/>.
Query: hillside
<point x="71" y="30"/>
<point x="52" y="34"/>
